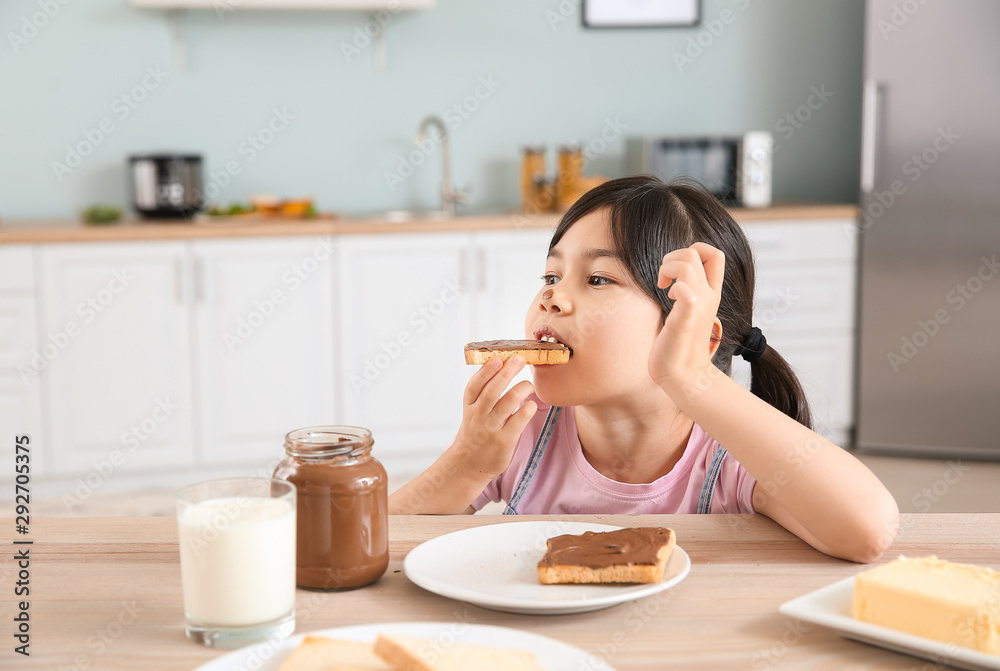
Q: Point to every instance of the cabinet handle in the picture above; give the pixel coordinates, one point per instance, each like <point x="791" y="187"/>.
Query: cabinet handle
<point x="481" y="271"/>
<point x="178" y="280"/>
<point x="199" y="281"/>
<point x="869" y="121"/>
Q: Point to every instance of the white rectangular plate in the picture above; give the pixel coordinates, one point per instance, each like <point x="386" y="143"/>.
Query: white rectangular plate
<point x="831" y="607"/>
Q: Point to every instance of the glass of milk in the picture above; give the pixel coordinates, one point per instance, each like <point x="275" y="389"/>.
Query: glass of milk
<point x="237" y="541"/>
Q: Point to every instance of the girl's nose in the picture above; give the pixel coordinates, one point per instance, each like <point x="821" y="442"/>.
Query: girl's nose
<point x="550" y="303"/>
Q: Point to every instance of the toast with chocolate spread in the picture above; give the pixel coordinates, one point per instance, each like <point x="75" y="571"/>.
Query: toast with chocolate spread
<point x="630" y="555"/>
<point x="535" y="352"/>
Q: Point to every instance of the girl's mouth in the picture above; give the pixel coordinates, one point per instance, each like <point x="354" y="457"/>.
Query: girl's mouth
<point x="547" y="334"/>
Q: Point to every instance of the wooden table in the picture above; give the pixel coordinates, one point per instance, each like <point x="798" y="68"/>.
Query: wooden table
<point x="106" y="594"/>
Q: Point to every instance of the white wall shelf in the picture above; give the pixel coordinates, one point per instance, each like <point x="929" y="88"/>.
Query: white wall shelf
<point x="178" y="10"/>
<point x="225" y="5"/>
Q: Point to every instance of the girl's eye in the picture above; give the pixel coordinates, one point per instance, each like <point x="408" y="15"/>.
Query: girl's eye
<point x="549" y="279"/>
<point x="599" y="281"/>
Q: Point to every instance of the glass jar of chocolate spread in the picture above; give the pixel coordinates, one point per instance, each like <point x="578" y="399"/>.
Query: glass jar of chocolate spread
<point x="342" y="539"/>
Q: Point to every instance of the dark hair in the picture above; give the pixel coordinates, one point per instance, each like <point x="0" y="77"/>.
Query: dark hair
<point x="650" y="219"/>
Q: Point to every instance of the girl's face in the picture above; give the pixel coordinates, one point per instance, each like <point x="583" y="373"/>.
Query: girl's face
<point x="590" y="303"/>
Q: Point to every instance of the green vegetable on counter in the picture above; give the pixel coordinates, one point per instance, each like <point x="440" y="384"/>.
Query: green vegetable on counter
<point x="101" y="214"/>
<point x="232" y="210"/>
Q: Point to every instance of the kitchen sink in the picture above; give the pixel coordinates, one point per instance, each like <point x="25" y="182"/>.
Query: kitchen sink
<point x="393" y="216"/>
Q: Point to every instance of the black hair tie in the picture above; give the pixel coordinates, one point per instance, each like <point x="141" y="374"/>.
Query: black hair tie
<point x="753" y="345"/>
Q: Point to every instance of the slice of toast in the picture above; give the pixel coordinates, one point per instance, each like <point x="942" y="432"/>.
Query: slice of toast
<point x="318" y="653"/>
<point x="535" y="352"/>
<point x="631" y="555"/>
<point x="408" y="653"/>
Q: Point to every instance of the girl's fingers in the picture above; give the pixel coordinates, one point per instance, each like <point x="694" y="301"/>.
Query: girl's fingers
<point x="506" y="406"/>
<point x="700" y="266"/>
<point x="680" y="291"/>
<point x="519" y="420"/>
<point x="714" y="261"/>
<point x="683" y="312"/>
<point x="682" y="271"/>
<point x="494" y="387"/>
<point x="679" y="260"/>
<point x="479" y="379"/>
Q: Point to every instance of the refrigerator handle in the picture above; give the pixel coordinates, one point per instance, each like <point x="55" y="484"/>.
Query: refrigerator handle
<point x="869" y="121"/>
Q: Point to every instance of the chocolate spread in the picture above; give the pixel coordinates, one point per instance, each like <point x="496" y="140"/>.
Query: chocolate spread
<point x="507" y="345"/>
<point x="342" y="525"/>
<point x="636" y="545"/>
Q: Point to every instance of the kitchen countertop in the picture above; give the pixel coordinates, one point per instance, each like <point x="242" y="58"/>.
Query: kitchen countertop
<point x="66" y="230"/>
<point x="106" y="594"/>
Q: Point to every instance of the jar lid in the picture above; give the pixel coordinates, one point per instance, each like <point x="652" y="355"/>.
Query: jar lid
<point x="328" y="441"/>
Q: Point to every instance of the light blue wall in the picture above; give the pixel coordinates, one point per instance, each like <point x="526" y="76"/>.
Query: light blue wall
<point x="352" y="123"/>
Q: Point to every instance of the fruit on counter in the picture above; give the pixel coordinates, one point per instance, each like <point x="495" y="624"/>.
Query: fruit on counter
<point x="101" y="214"/>
<point x="266" y="206"/>
<point x="265" y="203"/>
<point x="289" y="207"/>
<point x="231" y="211"/>
<point x="302" y="207"/>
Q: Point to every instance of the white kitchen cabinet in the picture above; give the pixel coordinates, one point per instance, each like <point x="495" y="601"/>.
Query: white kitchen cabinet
<point x="17" y="269"/>
<point x="508" y="273"/>
<point x="265" y="343"/>
<point x="405" y="311"/>
<point x="824" y="367"/>
<point x="20" y="396"/>
<point x="409" y="303"/>
<point x="20" y="400"/>
<point x="118" y="379"/>
<point x="805" y="306"/>
<point x="204" y="353"/>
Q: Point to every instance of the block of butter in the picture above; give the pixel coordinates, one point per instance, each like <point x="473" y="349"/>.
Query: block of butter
<point x="933" y="598"/>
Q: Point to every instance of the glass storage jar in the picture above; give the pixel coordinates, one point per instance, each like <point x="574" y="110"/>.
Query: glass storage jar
<point x="342" y="537"/>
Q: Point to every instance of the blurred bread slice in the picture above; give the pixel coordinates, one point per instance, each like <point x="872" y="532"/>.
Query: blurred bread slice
<point x="535" y="353"/>
<point x="408" y="653"/>
<point x="318" y="653"/>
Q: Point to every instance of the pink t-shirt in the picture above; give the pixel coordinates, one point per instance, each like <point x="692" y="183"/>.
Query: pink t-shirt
<point x="565" y="483"/>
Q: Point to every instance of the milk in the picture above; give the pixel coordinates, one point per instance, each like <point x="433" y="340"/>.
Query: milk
<point x="238" y="560"/>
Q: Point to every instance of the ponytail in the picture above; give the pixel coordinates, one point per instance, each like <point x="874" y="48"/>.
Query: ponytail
<point x="774" y="381"/>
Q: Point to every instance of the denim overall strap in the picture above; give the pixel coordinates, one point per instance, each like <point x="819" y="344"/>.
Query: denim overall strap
<point x="708" y="487"/>
<point x="544" y="436"/>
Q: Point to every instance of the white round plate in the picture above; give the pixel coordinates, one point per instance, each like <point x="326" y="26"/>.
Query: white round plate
<point x="551" y="654"/>
<point x="495" y="566"/>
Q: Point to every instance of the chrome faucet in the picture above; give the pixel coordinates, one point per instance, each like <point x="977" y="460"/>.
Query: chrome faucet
<point x="449" y="194"/>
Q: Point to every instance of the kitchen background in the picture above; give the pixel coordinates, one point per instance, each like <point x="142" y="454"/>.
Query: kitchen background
<point x="548" y="79"/>
<point x="306" y="103"/>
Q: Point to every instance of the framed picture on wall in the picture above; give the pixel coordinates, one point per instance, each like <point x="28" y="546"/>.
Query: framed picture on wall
<point x="640" y="13"/>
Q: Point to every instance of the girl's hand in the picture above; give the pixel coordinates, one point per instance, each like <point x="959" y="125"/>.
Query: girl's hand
<point x="490" y="427"/>
<point x="683" y="348"/>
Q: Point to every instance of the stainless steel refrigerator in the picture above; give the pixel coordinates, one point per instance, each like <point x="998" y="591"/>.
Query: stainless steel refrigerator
<point x="929" y="305"/>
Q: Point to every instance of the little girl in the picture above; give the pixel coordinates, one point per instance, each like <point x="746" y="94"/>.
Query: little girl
<point x="651" y="287"/>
